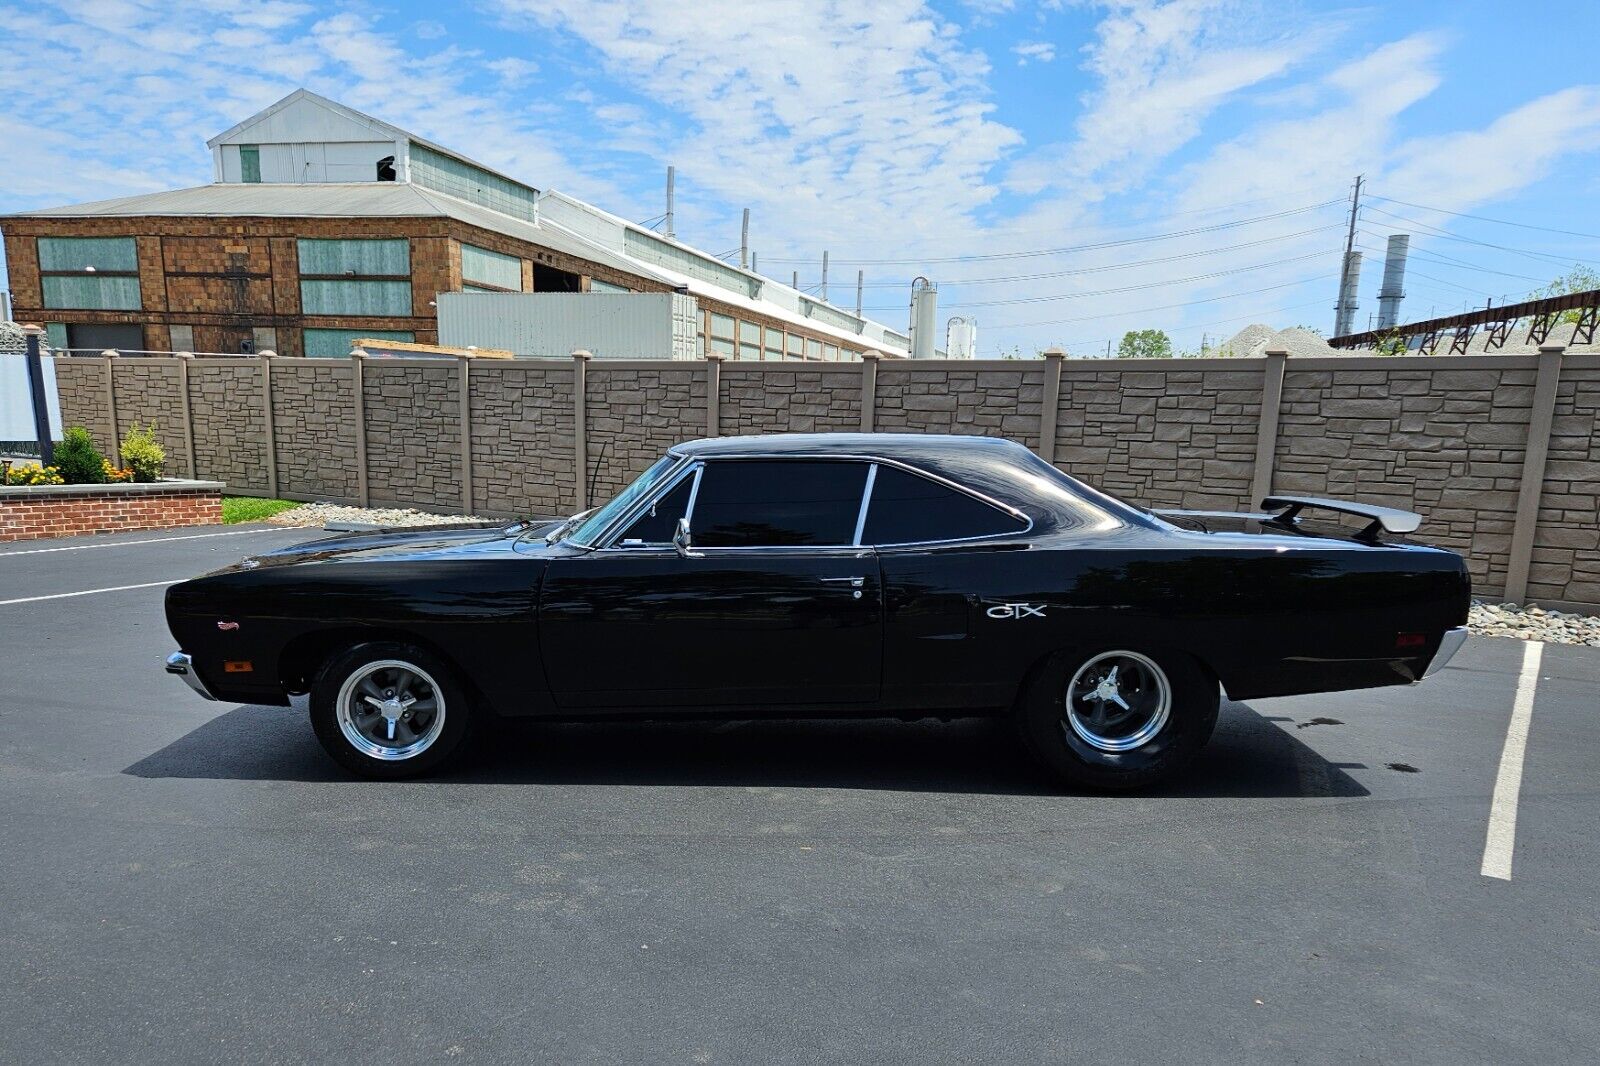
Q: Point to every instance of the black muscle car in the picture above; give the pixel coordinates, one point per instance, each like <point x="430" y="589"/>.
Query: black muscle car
<point x="832" y="575"/>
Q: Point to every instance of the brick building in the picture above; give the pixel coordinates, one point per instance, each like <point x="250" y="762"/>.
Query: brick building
<point x="324" y="224"/>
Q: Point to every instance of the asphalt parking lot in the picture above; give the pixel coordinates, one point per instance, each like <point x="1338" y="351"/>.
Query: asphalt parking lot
<point x="191" y="881"/>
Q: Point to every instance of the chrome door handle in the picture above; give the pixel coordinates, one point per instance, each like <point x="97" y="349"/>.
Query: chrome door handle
<point x="854" y="582"/>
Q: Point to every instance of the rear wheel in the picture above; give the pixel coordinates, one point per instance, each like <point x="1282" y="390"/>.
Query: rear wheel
<point x="1118" y="718"/>
<point x="388" y="710"/>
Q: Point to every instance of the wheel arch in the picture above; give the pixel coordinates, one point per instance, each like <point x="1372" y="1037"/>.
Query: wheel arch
<point x="304" y="656"/>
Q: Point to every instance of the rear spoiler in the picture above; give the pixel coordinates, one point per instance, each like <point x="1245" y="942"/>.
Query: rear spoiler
<point x="1285" y="511"/>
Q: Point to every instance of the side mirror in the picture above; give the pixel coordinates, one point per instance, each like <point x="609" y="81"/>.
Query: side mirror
<point x="682" y="541"/>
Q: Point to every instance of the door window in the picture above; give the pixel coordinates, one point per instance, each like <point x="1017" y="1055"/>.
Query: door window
<point x="907" y="508"/>
<point x="762" y="503"/>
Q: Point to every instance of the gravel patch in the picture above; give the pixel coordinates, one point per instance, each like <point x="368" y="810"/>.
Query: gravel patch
<point x="1533" y="623"/>
<point x="320" y="514"/>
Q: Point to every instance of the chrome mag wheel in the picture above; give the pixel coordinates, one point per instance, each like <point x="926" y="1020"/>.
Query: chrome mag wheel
<point x="1118" y="701"/>
<point x="390" y="710"/>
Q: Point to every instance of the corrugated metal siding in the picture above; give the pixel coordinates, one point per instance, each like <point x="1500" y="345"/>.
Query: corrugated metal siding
<point x="550" y="325"/>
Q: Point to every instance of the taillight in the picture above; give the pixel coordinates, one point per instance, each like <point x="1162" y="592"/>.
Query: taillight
<point x="1409" y="640"/>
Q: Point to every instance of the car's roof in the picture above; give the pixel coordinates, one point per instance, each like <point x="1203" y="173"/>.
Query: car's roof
<point x="907" y="447"/>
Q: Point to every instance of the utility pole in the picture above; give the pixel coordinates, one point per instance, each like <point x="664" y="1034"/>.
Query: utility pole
<point x="1350" y="272"/>
<point x="744" y="241"/>
<point x="753" y="268"/>
<point x="861" y="281"/>
<point x="824" y="277"/>
<point x="671" y="173"/>
<point x="794" y="282"/>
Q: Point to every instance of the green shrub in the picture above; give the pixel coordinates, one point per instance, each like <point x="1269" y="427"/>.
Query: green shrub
<point x="77" y="459"/>
<point x="143" y="454"/>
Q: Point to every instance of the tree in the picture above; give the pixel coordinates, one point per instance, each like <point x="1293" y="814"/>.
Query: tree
<point x="1145" y="344"/>
<point x="1579" y="279"/>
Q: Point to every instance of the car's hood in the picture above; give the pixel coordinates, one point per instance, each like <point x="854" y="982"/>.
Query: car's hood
<point x="401" y="545"/>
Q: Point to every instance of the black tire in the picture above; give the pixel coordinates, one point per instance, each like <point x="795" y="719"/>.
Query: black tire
<point x="346" y="738"/>
<point x="1062" y="742"/>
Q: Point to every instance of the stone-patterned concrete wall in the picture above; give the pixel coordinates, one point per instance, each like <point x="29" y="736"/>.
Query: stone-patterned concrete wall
<point x="1444" y="436"/>
<point x="314" y="428"/>
<point x="81" y="389"/>
<point x="635" y="415"/>
<point x="150" y="392"/>
<point x="1447" y="443"/>
<point x="1566" y="547"/>
<point x="789" y="399"/>
<point x="1174" y="438"/>
<point x="413" y="434"/>
<point x="228" y="406"/>
<point x="522" y="438"/>
<point x="948" y="398"/>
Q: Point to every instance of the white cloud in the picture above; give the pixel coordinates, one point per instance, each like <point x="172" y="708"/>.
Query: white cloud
<point x="1035" y="51"/>
<point x="428" y="29"/>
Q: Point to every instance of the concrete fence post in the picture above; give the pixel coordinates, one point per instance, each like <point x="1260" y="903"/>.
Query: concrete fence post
<point x="1539" y="426"/>
<point x="113" y="441"/>
<point x="1050" y="408"/>
<point x="186" y="411"/>
<point x="464" y="387"/>
<point x="869" y="388"/>
<point x="268" y="420"/>
<point x="713" y="394"/>
<point x="358" y="376"/>
<point x="580" y="427"/>
<point x="1272" y="371"/>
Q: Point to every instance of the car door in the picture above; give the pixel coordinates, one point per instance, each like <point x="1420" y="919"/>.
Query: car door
<point x="775" y="605"/>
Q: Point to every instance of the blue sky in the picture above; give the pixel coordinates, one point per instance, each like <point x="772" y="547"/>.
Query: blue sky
<point x="1064" y="171"/>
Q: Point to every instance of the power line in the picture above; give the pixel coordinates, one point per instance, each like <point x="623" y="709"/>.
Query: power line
<point x="1078" y="247"/>
<point x="1113" y="266"/>
<point x="1125" y="288"/>
<point x="1444" y="235"/>
<point x="1164" y="307"/>
<point x="1485" y="218"/>
<point x="1252" y="316"/>
<point x="1446" y="260"/>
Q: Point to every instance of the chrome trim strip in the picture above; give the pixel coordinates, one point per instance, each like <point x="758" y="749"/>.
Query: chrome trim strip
<point x="866" y="501"/>
<point x="694" y="494"/>
<point x="182" y="664"/>
<point x="1448" y="646"/>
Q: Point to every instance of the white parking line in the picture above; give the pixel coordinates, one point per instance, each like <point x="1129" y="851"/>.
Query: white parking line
<point x="1502" y="837"/>
<point x="154" y="540"/>
<point x="91" y="592"/>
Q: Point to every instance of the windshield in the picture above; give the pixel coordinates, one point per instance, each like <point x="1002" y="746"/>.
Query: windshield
<point x="591" y="527"/>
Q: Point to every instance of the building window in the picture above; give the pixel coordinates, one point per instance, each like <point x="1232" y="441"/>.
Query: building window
<point x="797" y="346"/>
<point x="90" y="273"/>
<point x="249" y="163"/>
<point x="830" y="354"/>
<point x="813" y="349"/>
<point x="434" y="170"/>
<point x="335" y="343"/>
<point x="722" y="335"/>
<point x="355" y="277"/>
<point x="774" y="348"/>
<point x="749" y="341"/>
<point x="596" y="285"/>
<point x="663" y="253"/>
<point x="55" y="334"/>
<point x="486" y="271"/>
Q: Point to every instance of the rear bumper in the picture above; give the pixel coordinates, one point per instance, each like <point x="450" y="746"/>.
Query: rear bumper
<point x="181" y="664"/>
<point x="1448" y="646"/>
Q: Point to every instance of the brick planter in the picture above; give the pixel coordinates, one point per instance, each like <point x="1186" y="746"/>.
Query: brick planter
<point x="29" y="512"/>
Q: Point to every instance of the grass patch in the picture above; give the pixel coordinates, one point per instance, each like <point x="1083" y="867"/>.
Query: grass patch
<point x="252" y="509"/>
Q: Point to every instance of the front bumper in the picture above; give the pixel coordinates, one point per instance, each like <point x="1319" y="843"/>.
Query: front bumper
<point x="181" y="664"/>
<point x="1448" y="646"/>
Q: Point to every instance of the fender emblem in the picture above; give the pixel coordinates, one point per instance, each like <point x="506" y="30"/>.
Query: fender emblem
<point x="1016" y="610"/>
<point x="227" y="627"/>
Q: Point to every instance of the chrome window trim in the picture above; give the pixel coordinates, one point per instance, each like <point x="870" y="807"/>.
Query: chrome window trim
<point x="866" y="501"/>
<point x="606" y="541"/>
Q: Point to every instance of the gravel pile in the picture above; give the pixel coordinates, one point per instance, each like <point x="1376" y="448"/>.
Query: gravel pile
<point x="320" y="514"/>
<point x="1533" y="623"/>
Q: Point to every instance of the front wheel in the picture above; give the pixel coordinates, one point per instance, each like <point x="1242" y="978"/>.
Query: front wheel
<point x="1118" y="718"/>
<point x="388" y="710"/>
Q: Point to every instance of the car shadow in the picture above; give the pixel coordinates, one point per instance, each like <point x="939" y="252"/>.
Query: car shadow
<point x="1248" y="756"/>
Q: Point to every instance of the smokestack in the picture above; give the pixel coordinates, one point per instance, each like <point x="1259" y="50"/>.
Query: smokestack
<point x="1394" y="280"/>
<point x="671" y="173"/>
<point x="861" y="281"/>
<point x="924" y="314"/>
<point x="754" y="269"/>
<point x="744" y="241"/>
<point x="824" y="277"/>
<point x="794" y="280"/>
<point x="1345" y="313"/>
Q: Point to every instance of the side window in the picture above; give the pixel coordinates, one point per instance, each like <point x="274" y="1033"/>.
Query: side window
<point x="657" y="525"/>
<point x="907" y="508"/>
<point x="760" y="503"/>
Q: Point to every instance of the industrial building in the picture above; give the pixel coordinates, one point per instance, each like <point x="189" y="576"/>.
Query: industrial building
<point x="324" y="224"/>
